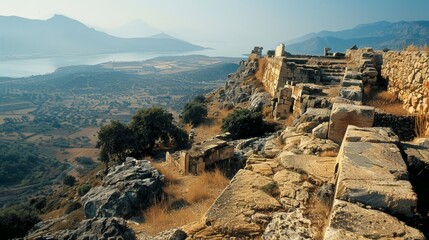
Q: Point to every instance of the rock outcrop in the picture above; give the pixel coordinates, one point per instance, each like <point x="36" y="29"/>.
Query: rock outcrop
<point x="125" y="191"/>
<point x="95" y="228"/>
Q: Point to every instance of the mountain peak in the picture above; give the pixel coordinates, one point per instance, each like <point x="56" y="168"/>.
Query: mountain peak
<point x="161" y="36"/>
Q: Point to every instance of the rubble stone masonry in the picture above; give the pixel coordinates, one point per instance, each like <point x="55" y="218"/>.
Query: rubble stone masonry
<point x="407" y="73"/>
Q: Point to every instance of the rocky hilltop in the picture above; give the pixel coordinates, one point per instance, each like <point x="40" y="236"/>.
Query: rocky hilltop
<point x="339" y="168"/>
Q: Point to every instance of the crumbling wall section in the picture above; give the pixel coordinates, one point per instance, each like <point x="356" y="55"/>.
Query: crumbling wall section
<point x="407" y="73"/>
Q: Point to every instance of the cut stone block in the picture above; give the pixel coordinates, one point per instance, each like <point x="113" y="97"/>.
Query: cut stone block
<point x="343" y="115"/>
<point x="373" y="173"/>
<point x="352" y="82"/>
<point x="353" y="93"/>
<point x="349" y="221"/>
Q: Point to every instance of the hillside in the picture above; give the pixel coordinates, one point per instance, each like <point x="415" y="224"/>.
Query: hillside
<point x="61" y="35"/>
<point x="378" y="35"/>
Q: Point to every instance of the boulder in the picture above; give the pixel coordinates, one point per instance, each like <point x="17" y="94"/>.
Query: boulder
<point x="343" y="115"/>
<point x="349" y="221"/>
<point x="234" y="212"/>
<point x="259" y="100"/>
<point x="371" y="171"/>
<point x="171" y="234"/>
<point x="95" y="228"/>
<point x="125" y="191"/>
<point x="321" y="131"/>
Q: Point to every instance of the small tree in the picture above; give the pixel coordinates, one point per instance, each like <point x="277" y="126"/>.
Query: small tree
<point x="83" y="189"/>
<point x="243" y="123"/>
<point x="194" y="113"/>
<point x="114" y="141"/>
<point x="69" y="180"/>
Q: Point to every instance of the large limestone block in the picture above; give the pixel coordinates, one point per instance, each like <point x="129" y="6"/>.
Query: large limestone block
<point x="231" y="213"/>
<point x="319" y="167"/>
<point x="349" y="221"/>
<point x="353" y="93"/>
<point x="352" y="82"/>
<point x="343" y="115"/>
<point x="373" y="172"/>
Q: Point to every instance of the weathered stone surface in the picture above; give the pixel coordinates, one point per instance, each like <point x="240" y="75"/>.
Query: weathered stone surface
<point x="343" y="115"/>
<point x="321" y="131"/>
<point x="172" y="234"/>
<point x="352" y="82"/>
<point x="289" y="225"/>
<point x="349" y="221"/>
<point x="353" y="93"/>
<point x="372" y="172"/>
<point x="319" y="167"/>
<point x="125" y="191"/>
<point x="95" y="228"/>
<point x="226" y="216"/>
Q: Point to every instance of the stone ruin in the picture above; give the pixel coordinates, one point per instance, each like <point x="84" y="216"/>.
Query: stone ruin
<point x="202" y="155"/>
<point x="376" y="188"/>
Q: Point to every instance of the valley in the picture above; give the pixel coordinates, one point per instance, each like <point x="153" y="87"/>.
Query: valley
<point x="60" y="113"/>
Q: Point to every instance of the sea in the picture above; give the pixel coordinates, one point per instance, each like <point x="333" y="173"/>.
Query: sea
<point x="24" y="67"/>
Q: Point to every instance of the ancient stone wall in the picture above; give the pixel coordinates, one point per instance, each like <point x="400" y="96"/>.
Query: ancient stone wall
<point x="408" y="77"/>
<point x="274" y="73"/>
<point x="403" y="126"/>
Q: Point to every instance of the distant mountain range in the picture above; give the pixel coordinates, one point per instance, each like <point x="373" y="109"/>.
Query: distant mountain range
<point x="377" y="35"/>
<point x="60" y="35"/>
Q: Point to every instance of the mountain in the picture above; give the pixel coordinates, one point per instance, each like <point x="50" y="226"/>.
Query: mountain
<point x="61" y="35"/>
<point x="377" y="35"/>
<point x="136" y="28"/>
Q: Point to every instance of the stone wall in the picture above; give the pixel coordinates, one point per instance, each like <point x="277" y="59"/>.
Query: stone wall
<point x="274" y="73"/>
<point x="403" y="126"/>
<point x="408" y="77"/>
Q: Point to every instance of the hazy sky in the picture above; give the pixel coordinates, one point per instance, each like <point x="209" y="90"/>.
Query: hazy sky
<point x="228" y="23"/>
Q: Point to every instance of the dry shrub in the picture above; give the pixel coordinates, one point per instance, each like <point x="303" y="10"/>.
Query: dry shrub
<point x="421" y="124"/>
<point x="262" y="65"/>
<point x="289" y="120"/>
<point x="330" y="153"/>
<point x="197" y="192"/>
<point x="425" y="48"/>
<point x="386" y="97"/>
<point x="319" y="214"/>
<point x="412" y="48"/>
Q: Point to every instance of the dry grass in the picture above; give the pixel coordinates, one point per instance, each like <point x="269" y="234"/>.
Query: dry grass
<point x="415" y="48"/>
<point x="421" y="124"/>
<point x="194" y="193"/>
<point x="319" y="214"/>
<point x="262" y="65"/>
<point x="384" y="100"/>
<point x="198" y="190"/>
<point x="71" y="221"/>
<point x="171" y="177"/>
<point x="289" y="120"/>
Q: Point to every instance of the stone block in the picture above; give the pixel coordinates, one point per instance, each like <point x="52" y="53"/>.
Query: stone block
<point x="349" y="221"/>
<point x="352" y="82"/>
<point x="321" y="131"/>
<point x="371" y="171"/>
<point x="343" y="115"/>
<point x="353" y="93"/>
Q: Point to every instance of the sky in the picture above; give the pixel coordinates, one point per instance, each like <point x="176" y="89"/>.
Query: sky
<point x="231" y="24"/>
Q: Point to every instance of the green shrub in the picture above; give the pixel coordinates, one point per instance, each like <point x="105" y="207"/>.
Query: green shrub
<point x="194" y="113"/>
<point x="69" y="180"/>
<point x="243" y="123"/>
<point x="83" y="189"/>
<point x="16" y="220"/>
